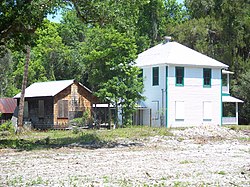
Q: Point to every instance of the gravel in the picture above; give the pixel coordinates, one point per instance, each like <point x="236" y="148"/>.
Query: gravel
<point x="199" y="156"/>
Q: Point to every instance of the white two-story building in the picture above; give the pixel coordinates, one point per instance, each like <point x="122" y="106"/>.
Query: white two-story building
<point x="182" y="88"/>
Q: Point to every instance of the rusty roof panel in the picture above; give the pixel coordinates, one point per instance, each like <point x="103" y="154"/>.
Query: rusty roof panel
<point x="7" y="105"/>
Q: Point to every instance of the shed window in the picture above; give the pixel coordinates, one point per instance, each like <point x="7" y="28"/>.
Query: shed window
<point x="179" y="110"/>
<point x="41" y="108"/>
<point x="207" y="77"/>
<point x="179" y="74"/>
<point x="63" y="109"/>
<point x="155" y="76"/>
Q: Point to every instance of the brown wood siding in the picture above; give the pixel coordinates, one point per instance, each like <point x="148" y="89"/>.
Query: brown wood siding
<point x="78" y="100"/>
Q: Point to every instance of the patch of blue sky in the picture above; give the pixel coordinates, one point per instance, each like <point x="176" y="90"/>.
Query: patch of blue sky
<point x="57" y="17"/>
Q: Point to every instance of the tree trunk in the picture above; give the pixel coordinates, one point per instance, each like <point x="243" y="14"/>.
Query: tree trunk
<point x="21" y="103"/>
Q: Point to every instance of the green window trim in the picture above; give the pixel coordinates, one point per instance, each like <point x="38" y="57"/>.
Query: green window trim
<point x="179" y="76"/>
<point x="155" y="76"/>
<point x="207" y="77"/>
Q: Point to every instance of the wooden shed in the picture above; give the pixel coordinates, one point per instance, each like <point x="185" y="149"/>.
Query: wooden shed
<point x="54" y="104"/>
<point x="7" y="108"/>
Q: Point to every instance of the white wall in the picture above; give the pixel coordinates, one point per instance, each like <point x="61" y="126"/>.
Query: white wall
<point x="196" y="98"/>
<point x="193" y="94"/>
<point x="154" y="94"/>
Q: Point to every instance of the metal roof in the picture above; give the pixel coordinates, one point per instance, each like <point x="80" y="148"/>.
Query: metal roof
<point x="230" y="99"/>
<point x="176" y="54"/>
<point x="7" y="105"/>
<point x="44" y="89"/>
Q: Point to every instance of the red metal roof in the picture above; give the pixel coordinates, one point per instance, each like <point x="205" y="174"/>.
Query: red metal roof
<point x="7" y="105"/>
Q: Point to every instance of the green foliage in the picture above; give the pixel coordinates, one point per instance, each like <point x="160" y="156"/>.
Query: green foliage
<point x="8" y="127"/>
<point x="19" y="19"/>
<point x="6" y="66"/>
<point x="109" y="56"/>
<point x="242" y="90"/>
<point x="83" y="121"/>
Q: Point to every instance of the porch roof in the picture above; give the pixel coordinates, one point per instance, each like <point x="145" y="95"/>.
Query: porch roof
<point x="230" y="99"/>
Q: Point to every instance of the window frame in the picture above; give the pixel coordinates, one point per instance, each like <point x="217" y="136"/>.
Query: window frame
<point x="155" y="77"/>
<point x="205" y="85"/>
<point x="182" y="76"/>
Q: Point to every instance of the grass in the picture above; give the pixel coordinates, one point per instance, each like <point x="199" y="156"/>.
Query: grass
<point x="185" y="162"/>
<point x="55" y="139"/>
<point x="221" y="172"/>
<point x="238" y="127"/>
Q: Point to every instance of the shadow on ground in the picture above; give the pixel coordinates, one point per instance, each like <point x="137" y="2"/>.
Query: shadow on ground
<point x="88" y="141"/>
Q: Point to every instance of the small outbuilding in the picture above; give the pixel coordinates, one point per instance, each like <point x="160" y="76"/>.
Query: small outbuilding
<point x="7" y="108"/>
<point x="53" y="104"/>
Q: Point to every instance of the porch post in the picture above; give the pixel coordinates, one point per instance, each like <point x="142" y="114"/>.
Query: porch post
<point x="237" y="113"/>
<point x="228" y="83"/>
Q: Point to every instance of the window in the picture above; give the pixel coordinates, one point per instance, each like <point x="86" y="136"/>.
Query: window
<point x="41" y="108"/>
<point x="63" y="109"/>
<point x="207" y="110"/>
<point x="155" y="76"/>
<point x="206" y="77"/>
<point x="179" y="110"/>
<point x="179" y="74"/>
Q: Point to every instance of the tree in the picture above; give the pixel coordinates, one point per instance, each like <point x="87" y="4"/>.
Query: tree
<point x="242" y="90"/>
<point x="109" y="56"/>
<point x="151" y="20"/>
<point x="18" y="21"/>
<point x="21" y="102"/>
<point x="121" y="15"/>
<point x="5" y="64"/>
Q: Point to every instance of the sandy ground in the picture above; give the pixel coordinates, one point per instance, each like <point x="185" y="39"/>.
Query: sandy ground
<point x="186" y="159"/>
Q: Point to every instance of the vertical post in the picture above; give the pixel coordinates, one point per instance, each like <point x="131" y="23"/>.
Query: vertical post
<point x="162" y="107"/>
<point x="150" y="117"/>
<point x="228" y="83"/>
<point x="237" y="114"/>
<point x="109" y="116"/>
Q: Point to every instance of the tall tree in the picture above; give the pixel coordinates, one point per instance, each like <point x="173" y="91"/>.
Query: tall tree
<point x="18" y="21"/>
<point x="109" y="56"/>
<point x="5" y="64"/>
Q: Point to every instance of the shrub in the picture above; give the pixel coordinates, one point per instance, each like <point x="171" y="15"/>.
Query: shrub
<point x="7" y="127"/>
<point x="77" y="122"/>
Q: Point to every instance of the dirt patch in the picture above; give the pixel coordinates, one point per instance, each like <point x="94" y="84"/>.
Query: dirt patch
<point x="178" y="160"/>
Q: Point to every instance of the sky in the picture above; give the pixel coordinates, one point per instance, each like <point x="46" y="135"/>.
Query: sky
<point x="58" y="16"/>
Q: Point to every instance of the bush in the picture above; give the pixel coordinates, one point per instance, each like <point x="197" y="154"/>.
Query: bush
<point x="7" y="127"/>
<point x="77" y="122"/>
<point x="75" y="130"/>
